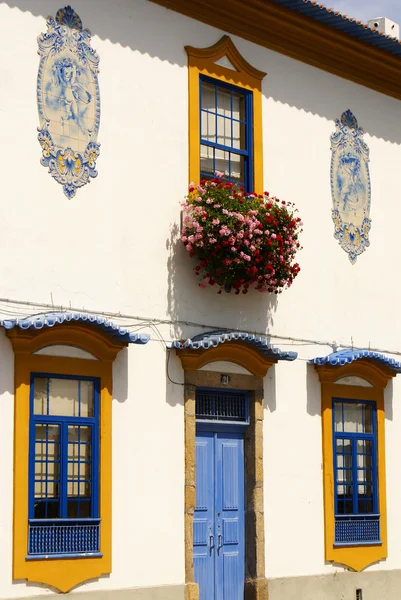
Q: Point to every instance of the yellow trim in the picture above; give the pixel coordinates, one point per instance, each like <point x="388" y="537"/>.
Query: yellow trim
<point x="355" y="557"/>
<point x="201" y="61"/>
<point x="62" y="574"/>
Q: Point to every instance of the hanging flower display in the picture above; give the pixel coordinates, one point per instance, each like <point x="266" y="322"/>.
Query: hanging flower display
<point x="240" y="240"/>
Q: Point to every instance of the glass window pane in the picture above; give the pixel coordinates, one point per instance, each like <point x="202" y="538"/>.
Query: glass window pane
<point x="237" y="167"/>
<point x="63" y="397"/>
<point x="207" y="165"/>
<point x="338" y="416"/>
<point x="368" y="420"/>
<point x="223" y="131"/>
<point x="86" y="398"/>
<point x="208" y="96"/>
<point x="239" y="136"/>
<point x="84" y="510"/>
<point x="208" y="127"/>
<point x="224" y="102"/>
<point x="238" y="103"/>
<point x="40" y="396"/>
<point x="223" y="162"/>
<point x="357" y="418"/>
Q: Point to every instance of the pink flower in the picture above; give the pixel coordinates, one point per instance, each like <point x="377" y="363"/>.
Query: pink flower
<point x="273" y="236"/>
<point x="198" y="199"/>
<point x="184" y="238"/>
<point x="217" y="206"/>
<point x="209" y="201"/>
<point x="219" y="174"/>
<point x="216" y="222"/>
<point x="233" y="249"/>
<point x="189" y="247"/>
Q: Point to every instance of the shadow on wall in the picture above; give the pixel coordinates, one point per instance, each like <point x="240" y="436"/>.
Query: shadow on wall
<point x="185" y="299"/>
<point x="313" y="392"/>
<point x="161" y="33"/>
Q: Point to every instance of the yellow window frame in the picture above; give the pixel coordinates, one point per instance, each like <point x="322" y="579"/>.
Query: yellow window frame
<point x="356" y="557"/>
<point x="202" y="61"/>
<point x="61" y="573"/>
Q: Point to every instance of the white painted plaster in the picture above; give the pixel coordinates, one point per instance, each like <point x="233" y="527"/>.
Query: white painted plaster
<point x="114" y="248"/>
<point x="353" y="381"/>
<point x="222" y="366"/>
<point x="66" y="351"/>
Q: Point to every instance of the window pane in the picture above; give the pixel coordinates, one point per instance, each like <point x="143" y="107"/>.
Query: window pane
<point x="338" y="416"/>
<point x="224" y="131"/>
<point x="63" y="397"/>
<point x="238" y="101"/>
<point x="207" y="164"/>
<point x="237" y="167"/>
<point x="86" y="397"/>
<point x="224" y="102"/>
<point x="239" y="136"/>
<point x="40" y="396"/>
<point x="208" y="96"/>
<point x="79" y="471"/>
<point x="47" y="471"/>
<point x="208" y="127"/>
<point x="357" y="418"/>
<point x="223" y="162"/>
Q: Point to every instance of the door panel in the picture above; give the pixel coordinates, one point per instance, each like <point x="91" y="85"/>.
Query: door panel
<point x="219" y="548"/>
<point x="204" y="516"/>
<point x="230" y="568"/>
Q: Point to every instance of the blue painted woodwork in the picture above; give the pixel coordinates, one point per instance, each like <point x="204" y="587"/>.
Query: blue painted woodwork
<point x="243" y="148"/>
<point x="63" y="473"/>
<point x="346" y="357"/>
<point x="212" y="339"/>
<point x="357" y="518"/>
<point x="219" y="530"/>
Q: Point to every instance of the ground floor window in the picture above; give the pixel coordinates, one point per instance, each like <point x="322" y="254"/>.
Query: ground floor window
<point x="355" y="466"/>
<point x="63" y="466"/>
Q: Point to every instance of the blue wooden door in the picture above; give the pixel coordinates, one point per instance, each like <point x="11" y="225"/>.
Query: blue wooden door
<point x="219" y="546"/>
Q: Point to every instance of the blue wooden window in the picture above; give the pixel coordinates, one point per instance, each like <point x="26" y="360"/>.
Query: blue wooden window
<point x="63" y="466"/>
<point x="226" y="132"/>
<point x="357" y="518"/>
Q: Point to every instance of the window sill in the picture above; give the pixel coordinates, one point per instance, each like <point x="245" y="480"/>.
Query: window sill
<point x="65" y="556"/>
<point x="357" y="544"/>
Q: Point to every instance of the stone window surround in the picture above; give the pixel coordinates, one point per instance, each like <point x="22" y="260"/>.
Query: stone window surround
<point x="255" y="580"/>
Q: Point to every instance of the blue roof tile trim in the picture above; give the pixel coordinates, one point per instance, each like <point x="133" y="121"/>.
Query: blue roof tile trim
<point x="346" y="357"/>
<point x="347" y="25"/>
<point x="57" y="318"/>
<point x="211" y="339"/>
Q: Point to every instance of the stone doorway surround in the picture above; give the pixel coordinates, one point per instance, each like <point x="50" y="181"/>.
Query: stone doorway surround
<point x="257" y="364"/>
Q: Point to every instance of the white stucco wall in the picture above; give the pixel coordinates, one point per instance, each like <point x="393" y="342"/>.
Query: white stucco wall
<point x="113" y="249"/>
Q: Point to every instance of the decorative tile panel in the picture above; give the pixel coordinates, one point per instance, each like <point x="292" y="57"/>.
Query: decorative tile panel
<point x="350" y="186"/>
<point x="68" y="101"/>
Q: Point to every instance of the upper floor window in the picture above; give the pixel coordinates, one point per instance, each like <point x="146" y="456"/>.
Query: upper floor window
<point x="225" y="116"/>
<point x="355" y="467"/>
<point x="64" y="466"/>
<point x="226" y="132"/>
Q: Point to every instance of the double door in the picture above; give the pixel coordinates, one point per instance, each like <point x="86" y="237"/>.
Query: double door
<point x="219" y="531"/>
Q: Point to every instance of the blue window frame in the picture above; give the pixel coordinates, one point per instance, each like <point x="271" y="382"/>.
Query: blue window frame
<point x="226" y="132"/>
<point x="357" y="518"/>
<point x="63" y="466"/>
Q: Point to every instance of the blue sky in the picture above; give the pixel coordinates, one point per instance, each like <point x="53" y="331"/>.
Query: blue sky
<point x="367" y="9"/>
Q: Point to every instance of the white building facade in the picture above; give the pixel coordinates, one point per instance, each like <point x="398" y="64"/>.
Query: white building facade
<point x="120" y="474"/>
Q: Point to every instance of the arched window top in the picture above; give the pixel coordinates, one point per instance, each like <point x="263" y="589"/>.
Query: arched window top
<point x="95" y="335"/>
<point x="253" y="353"/>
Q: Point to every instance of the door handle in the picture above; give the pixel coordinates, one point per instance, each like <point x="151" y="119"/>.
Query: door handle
<point x="219" y="541"/>
<point x="211" y="541"/>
